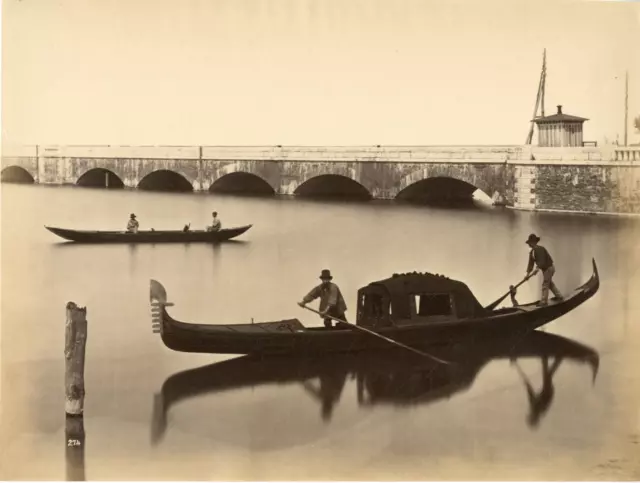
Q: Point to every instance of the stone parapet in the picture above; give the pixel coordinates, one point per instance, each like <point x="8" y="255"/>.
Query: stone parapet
<point x="379" y="154"/>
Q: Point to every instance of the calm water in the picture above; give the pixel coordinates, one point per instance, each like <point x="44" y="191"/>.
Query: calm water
<point x="234" y="424"/>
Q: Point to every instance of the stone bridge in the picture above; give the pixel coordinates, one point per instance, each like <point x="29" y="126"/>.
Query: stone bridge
<point x="593" y="179"/>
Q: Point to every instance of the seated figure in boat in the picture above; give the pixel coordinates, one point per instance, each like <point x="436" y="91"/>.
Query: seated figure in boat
<point x="215" y="225"/>
<point x="331" y="300"/>
<point x="133" y="225"/>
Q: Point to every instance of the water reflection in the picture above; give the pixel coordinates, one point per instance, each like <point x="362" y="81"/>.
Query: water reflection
<point x="399" y="378"/>
<point x="133" y="257"/>
<point x="215" y="247"/>
<point x="539" y="403"/>
<point x="131" y="246"/>
<point x="328" y="391"/>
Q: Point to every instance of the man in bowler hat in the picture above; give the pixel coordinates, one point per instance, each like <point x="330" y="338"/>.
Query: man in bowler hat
<point x="331" y="299"/>
<point x="541" y="258"/>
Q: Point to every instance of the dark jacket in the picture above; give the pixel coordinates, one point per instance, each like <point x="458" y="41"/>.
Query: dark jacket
<point x="540" y="256"/>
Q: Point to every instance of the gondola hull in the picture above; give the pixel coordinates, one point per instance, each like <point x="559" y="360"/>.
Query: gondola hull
<point x="149" y="236"/>
<point x="290" y="337"/>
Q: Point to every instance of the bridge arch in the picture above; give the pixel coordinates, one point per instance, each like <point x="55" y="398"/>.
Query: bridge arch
<point x="100" y="178"/>
<point x="242" y="177"/>
<point x="165" y="180"/>
<point x="332" y="186"/>
<point x="16" y="174"/>
<point x="443" y="183"/>
<point x="438" y="189"/>
<point x="242" y="182"/>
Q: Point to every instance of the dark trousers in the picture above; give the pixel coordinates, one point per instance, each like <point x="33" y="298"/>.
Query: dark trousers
<point x="333" y="312"/>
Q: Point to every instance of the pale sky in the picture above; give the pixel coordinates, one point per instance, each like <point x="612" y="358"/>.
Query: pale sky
<point x="312" y="72"/>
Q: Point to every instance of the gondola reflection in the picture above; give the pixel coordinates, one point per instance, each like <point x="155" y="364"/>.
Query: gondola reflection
<point x="394" y="377"/>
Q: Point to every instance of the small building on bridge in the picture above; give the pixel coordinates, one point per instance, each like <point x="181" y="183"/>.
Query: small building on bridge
<point x="560" y="130"/>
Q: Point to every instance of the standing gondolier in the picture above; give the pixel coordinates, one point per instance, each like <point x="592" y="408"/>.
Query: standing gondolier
<point x="541" y="258"/>
<point x="331" y="299"/>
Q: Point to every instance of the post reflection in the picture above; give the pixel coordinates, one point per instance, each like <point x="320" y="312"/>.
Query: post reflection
<point x="74" y="448"/>
<point x="395" y="377"/>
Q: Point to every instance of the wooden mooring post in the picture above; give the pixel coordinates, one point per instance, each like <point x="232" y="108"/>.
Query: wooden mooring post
<point x="74" y="355"/>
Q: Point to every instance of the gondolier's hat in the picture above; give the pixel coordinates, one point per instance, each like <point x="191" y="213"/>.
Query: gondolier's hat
<point x="325" y="275"/>
<point x="132" y="215"/>
<point x="533" y="239"/>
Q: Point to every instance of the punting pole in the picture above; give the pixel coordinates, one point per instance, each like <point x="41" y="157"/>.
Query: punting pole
<point x="370" y="332"/>
<point x="493" y="305"/>
<point x="626" y="107"/>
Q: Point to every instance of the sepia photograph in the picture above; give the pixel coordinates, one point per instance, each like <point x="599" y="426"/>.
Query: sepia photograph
<point x="320" y="240"/>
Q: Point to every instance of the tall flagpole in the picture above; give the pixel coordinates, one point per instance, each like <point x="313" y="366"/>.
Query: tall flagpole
<point x="539" y="97"/>
<point x="544" y="78"/>
<point x="626" y="107"/>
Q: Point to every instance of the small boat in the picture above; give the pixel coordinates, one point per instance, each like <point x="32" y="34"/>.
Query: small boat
<point x="412" y="309"/>
<point x="395" y="377"/>
<point x="149" y="236"/>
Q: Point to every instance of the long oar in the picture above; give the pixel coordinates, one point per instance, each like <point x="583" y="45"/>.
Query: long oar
<point x="497" y="302"/>
<point x="391" y="341"/>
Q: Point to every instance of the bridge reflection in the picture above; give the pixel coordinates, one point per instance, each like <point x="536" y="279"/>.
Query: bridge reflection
<point x="396" y="377"/>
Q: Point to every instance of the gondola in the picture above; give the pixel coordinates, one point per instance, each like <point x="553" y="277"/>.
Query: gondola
<point x="149" y="236"/>
<point x="411" y="308"/>
<point x="395" y="377"/>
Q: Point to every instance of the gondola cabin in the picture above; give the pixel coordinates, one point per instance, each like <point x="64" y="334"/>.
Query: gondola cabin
<point x="415" y="299"/>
